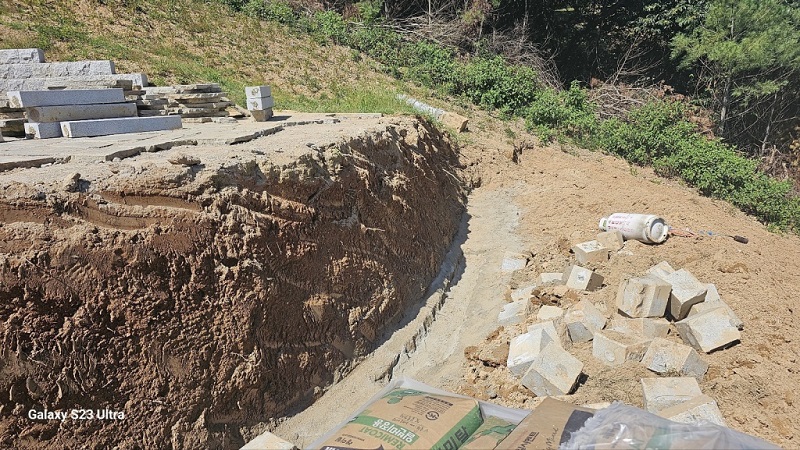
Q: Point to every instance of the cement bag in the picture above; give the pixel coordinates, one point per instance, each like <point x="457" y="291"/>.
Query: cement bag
<point x="625" y="427"/>
<point x="408" y="414"/>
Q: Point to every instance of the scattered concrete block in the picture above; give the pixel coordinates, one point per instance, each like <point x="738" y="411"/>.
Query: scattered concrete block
<point x="260" y="103"/>
<point x="708" y="331"/>
<point x="714" y="300"/>
<point x="611" y="240"/>
<point x="614" y="347"/>
<point x="455" y="121"/>
<point x="665" y="356"/>
<point x="21" y="56"/>
<point x="554" y="328"/>
<point x="551" y="278"/>
<point x="257" y="91"/>
<point x="549" y="312"/>
<point x="590" y="252"/>
<point x="524" y="348"/>
<point x="686" y="291"/>
<point x="648" y="327"/>
<point x="699" y="408"/>
<point x="1" y="137"/>
<point x="31" y="99"/>
<point x="269" y="441"/>
<point x="583" y="279"/>
<point x="512" y="262"/>
<point x="553" y="372"/>
<point x="661" y="269"/>
<point x="261" y="115"/>
<point x="643" y="296"/>
<point x="44" y="114"/>
<point x="103" y="127"/>
<point x="662" y="393"/>
<point x="523" y="293"/>
<point x="514" y="312"/>
<point x="583" y="320"/>
<point x="56" y="69"/>
<point x="43" y="130"/>
<point x="596" y="406"/>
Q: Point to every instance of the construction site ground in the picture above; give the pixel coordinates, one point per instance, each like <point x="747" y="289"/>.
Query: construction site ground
<point x="246" y="207"/>
<point x="540" y="206"/>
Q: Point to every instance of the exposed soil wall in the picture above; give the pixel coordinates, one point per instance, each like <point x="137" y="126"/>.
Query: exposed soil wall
<point x="199" y="301"/>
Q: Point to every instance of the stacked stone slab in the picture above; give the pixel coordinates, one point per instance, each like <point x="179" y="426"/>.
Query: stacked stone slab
<point x="259" y="102"/>
<point x="200" y="100"/>
<point x="26" y="70"/>
<point x="45" y="110"/>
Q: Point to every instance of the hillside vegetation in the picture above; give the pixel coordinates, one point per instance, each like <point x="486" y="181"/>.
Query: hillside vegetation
<point x="319" y="61"/>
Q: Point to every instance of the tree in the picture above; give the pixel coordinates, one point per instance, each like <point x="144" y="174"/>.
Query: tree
<point x="746" y="58"/>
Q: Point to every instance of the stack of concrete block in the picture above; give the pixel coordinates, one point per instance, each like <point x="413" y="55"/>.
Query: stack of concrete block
<point x="680" y="400"/>
<point x="45" y="110"/>
<point x="194" y="101"/>
<point x="82" y="113"/>
<point x="26" y="70"/>
<point x="259" y="102"/>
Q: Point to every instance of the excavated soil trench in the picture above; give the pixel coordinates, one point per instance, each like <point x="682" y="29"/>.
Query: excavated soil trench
<point x="199" y="301"/>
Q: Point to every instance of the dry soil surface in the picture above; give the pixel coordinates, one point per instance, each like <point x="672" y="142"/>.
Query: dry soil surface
<point x="539" y="206"/>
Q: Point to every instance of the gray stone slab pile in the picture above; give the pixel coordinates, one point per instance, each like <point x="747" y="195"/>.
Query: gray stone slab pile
<point x="202" y="101"/>
<point x="45" y="110"/>
<point x="259" y="102"/>
<point x="56" y="69"/>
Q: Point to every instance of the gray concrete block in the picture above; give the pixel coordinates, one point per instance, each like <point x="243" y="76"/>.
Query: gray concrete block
<point x="645" y="326"/>
<point x="257" y="91"/>
<point x="611" y="240"/>
<point x="553" y="372"/>
<point x="556" y="329"/>
<point x="661" y="269"/>
<point x="686" y="291"/>
<point x="21" y="56"/>
<point x="643" y="296"/>
<point x="56" y="69"/>
<point x="43" y="130"/>
<point x="549" y="312"/>
<point x="512" y="262"/>
<point x="665" y="356"/>
<point x="590" y="252"/>
<point x="31" y="99"/>
<point x="583" y="320"/>
<point x="613" y="347"/>
<point x="261" y="115"/>
<point x="662" y="393"/>
<point x="524" y="348"/>
<point x="514" y="312"/>
<point x="699" y="408"/>
<point x="714" y="300"/>
<point x="708" y="331"/>
<point x="103" y="127"/>
<point x="260" y="103"/>
<point x="523" y="293"/>
<point x="551" y="278"/>
<point x="125" y="81"/>
<point x="43" y="114"/>
<point x="582" y="279"/>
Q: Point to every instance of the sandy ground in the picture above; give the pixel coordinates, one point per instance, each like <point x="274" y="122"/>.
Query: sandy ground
<point x="553" y="198"/>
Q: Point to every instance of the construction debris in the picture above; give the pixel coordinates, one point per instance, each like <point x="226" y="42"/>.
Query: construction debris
<point x="665" y="356"/>
<point x="199" y="100"/>
<point x="615" y="347"/>
<point x="259" y="102"/>
<point x="662" y="393"/>
<point x="708" y="331"/>
<point x="583" y="279"/>
<point x="583" y="320"/>
<point x="554" y="371"/>
<point x="590" y="252"/>
<point x="643" y="296"/>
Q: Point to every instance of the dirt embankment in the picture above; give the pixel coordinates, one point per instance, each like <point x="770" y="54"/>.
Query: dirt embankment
<point x="198" y="300"/>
